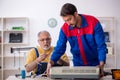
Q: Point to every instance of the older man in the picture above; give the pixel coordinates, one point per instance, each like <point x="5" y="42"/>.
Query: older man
<point x="42" y="53"/>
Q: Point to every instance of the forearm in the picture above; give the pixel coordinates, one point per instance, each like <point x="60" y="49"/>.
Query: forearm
<point x="31" y="66"/>
<point x="60" y="48"/>
<point x="100" y="41"/>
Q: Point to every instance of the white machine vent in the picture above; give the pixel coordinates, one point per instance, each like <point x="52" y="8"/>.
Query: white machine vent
<point x="78" y="71"/>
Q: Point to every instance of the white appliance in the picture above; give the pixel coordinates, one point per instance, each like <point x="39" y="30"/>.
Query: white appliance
<point x="85" y="72"/>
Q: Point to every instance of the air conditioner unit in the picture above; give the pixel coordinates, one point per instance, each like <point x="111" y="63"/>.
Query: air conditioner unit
<point x="85" y="72"/>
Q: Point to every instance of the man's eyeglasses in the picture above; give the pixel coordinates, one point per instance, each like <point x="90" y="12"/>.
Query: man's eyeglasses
<point x="47" y="39"/>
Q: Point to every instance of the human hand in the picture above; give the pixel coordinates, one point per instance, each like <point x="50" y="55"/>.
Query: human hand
<point x="41" y="57"/>
<point x="62" y="62"/>
<point x="101" y="66"/>
<point x="48" y="68"/>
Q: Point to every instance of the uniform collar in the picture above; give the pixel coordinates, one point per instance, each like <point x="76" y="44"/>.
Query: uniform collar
<point x="84" y="22"/>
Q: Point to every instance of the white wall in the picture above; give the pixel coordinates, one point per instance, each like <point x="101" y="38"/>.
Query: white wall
<point x="39" y="11"/>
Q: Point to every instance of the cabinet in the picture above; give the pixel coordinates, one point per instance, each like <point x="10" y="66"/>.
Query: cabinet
<point x="108" y="24"/>
<point x="12" y="62"/>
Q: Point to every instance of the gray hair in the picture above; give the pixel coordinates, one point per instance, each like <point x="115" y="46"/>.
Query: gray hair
<point x="44" y="31"/>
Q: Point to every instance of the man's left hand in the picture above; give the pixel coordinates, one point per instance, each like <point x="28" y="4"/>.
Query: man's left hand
<point x="101" y="66"/>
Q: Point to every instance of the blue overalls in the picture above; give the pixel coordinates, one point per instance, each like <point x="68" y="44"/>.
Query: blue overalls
<point x="41" y="66"/>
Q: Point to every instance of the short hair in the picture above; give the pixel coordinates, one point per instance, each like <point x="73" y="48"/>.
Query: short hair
<point x="68" y="9"/>
<point x="44" y="31"/>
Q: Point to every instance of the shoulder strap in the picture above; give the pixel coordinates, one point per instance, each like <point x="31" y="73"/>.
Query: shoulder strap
<point x="37" y="53"/>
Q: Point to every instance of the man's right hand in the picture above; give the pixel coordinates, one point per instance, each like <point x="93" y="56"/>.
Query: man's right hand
<point x="31" y="66"/>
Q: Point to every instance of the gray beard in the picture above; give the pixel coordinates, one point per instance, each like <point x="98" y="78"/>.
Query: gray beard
<point x="46" y="48"/>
